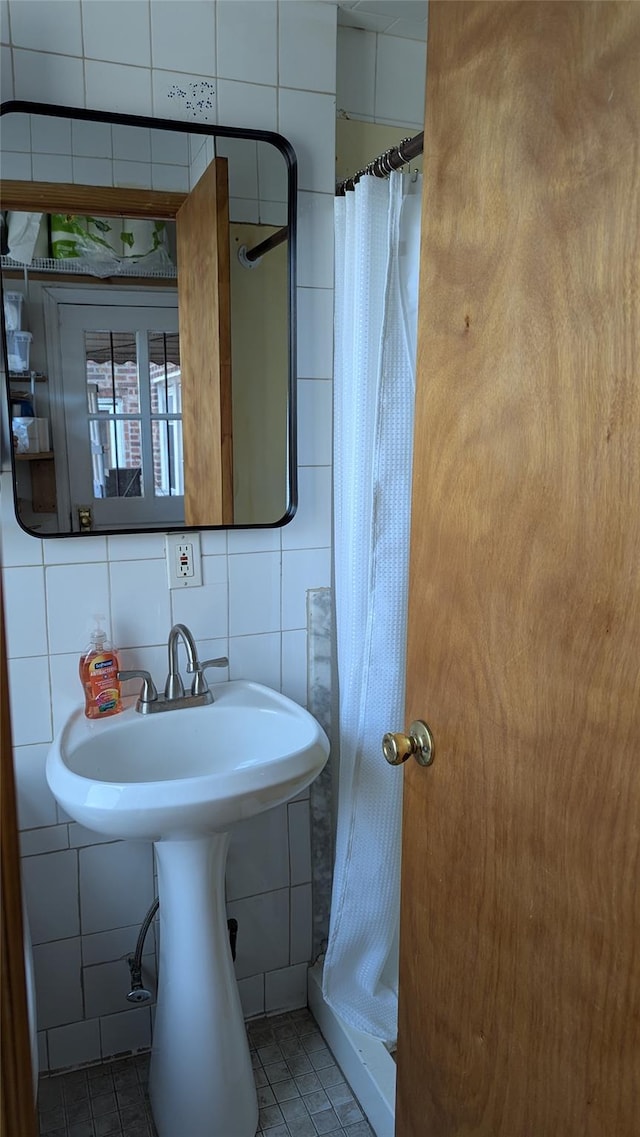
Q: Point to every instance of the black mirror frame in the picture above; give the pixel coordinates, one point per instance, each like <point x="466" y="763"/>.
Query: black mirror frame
<point x="19" y="106"/>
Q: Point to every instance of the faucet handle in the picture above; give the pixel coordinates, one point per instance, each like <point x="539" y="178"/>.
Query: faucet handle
<point x="200" y="685"/>
<point x="148" y="692"/>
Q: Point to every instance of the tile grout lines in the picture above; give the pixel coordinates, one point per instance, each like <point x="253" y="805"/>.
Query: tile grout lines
<point x="301" y="1090"/>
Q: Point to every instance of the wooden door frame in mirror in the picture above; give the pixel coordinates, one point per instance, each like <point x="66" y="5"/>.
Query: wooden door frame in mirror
<point x="205" y="333"/>
<point x="142" y="203"/>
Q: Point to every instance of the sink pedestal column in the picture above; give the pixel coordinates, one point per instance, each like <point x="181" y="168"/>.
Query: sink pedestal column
<point x="201" y="1082"/>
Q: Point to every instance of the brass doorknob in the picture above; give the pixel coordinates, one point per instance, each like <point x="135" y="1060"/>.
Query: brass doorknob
<point x="417" y="743"/>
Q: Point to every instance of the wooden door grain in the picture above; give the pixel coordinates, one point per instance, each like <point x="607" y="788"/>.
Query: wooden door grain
<point x="204" y="307"/>
<point x="17" y="1108"/>
<point x="520" y="934"/>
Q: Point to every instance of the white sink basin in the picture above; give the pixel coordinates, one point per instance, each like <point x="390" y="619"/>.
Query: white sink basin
<point x="186" y="772"/>
<point x="182" y="779"/>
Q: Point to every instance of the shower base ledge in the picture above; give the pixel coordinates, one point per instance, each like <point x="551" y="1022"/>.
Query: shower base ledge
<point x="365" y="1061"/>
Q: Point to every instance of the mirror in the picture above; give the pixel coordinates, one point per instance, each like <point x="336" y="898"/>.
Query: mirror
<point x="148" y="278"/>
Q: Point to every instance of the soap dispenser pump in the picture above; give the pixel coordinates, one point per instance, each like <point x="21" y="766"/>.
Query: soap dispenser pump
<point x="99" y="666"/>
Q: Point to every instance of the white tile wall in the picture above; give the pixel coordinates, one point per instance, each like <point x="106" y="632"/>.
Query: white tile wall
<point x="204" y="608"/>
<point x="286" y="989"/>
<point x="66" y="692"/>
<point x="310" y="568"/>
<point x="18" y="166"/>
<point x="131" y="143"/>
<point x="400" y="102"/>
<point x="6" y="76"/>
<point x="380" y="78"/>
<point x="104" y="947"/>
<point x="308" y="121"/>
<point x="93" y="171"/>
<point x="294" y="666"/>
<point x="241" y="104"/>
<point x="247" y="43"/>
<point x="4" y="21"/>
<point x="299" y="842"/>
<point x="74" y="1045"/>
<point x="315" y="348"/>
<point x="356" y="77"/>
<point x="58" y="989"/>
<point x="36" y="806"/>
<point x="183" y="36"/>
<point x="252" y="995"/>
<point x="52" y="168"/>
<point x="103" y="22"/>
<point x="80" y="837"/>
<point x="254" y="593"/>
<point x="315" y="418"/>
<point x="263" y="932"/>
<point x="117" y="87"/>
<point x="106" y="986"/>
<point x="266" y="64"/>
<point x="45" y="78"/>
<point x="88" y="550"/>
<point x="311" y="526"/>
<point x="43" y="1051"/>
<point x="127" y="1030"/>
<point x="50" y="135"/>
<point x="171" y="148"/>
<point x="315" y="70"/>
<point x="174" y="179"/>
<point x="25" y="619"/>
<point x="29" y="700"/>
<point x="74" y="595"/>
<point x="51" y="888"/>
<point x="315" y="240"/>
<point x="301" y="915"/>
<point x="135" y="547"/>
<point x="116" y="884"/>
<point x="140" y="602"/>
<point x="257" y="658"/>
<point x="49" y="839"/>
<point x="15" y="132"/>
<point x="47" y="27"/>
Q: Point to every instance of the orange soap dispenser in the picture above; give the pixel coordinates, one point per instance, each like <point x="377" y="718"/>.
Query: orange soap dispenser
<point x="99" y="666"/>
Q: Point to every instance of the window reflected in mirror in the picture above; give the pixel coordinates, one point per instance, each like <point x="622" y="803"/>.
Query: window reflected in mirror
<point x="120" y="435"/>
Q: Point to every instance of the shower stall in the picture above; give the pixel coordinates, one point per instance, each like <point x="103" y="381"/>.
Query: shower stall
<point x="353" y="989"/>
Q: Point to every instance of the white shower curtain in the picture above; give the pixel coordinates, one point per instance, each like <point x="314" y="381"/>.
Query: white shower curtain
<point x="377" y="257"/>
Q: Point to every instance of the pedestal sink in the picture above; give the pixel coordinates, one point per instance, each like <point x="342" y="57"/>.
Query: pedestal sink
<point x="182" y="780"/>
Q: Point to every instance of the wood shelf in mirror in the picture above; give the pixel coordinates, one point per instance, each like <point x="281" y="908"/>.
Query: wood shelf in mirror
<point x="34" y="456"/>
<point x="101" y="201"/>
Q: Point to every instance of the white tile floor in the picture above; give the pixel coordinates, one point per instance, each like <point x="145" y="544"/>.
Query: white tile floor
<point x="301" y="1090"/>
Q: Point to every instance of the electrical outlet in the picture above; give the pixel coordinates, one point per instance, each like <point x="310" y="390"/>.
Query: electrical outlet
<point x="183" y="560"/>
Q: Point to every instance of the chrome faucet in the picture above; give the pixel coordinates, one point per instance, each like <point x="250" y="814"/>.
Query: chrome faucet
<point x="174" y="687"/>
<point x="174" y="697"/>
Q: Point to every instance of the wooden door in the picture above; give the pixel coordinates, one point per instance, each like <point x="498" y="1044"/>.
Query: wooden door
<point x="204" y="303"/>
<point x="520" y="932"/>
<point x="17" y="1106"/>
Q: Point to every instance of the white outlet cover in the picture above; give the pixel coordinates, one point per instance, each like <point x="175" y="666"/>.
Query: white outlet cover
<point x="172" y="543"/>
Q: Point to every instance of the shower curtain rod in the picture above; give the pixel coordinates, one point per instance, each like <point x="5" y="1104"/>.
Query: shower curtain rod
<point x="382" y="166"/>
<point x="269" y="243"/>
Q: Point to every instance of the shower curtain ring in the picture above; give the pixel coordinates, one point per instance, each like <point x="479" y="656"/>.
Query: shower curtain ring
<point x="402" y="157"/>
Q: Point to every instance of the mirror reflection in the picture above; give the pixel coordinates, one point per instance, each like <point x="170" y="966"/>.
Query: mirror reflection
<point x="147" y="276"/>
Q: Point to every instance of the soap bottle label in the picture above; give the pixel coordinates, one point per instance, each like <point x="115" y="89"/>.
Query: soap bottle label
<point x="102" y="683"/>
